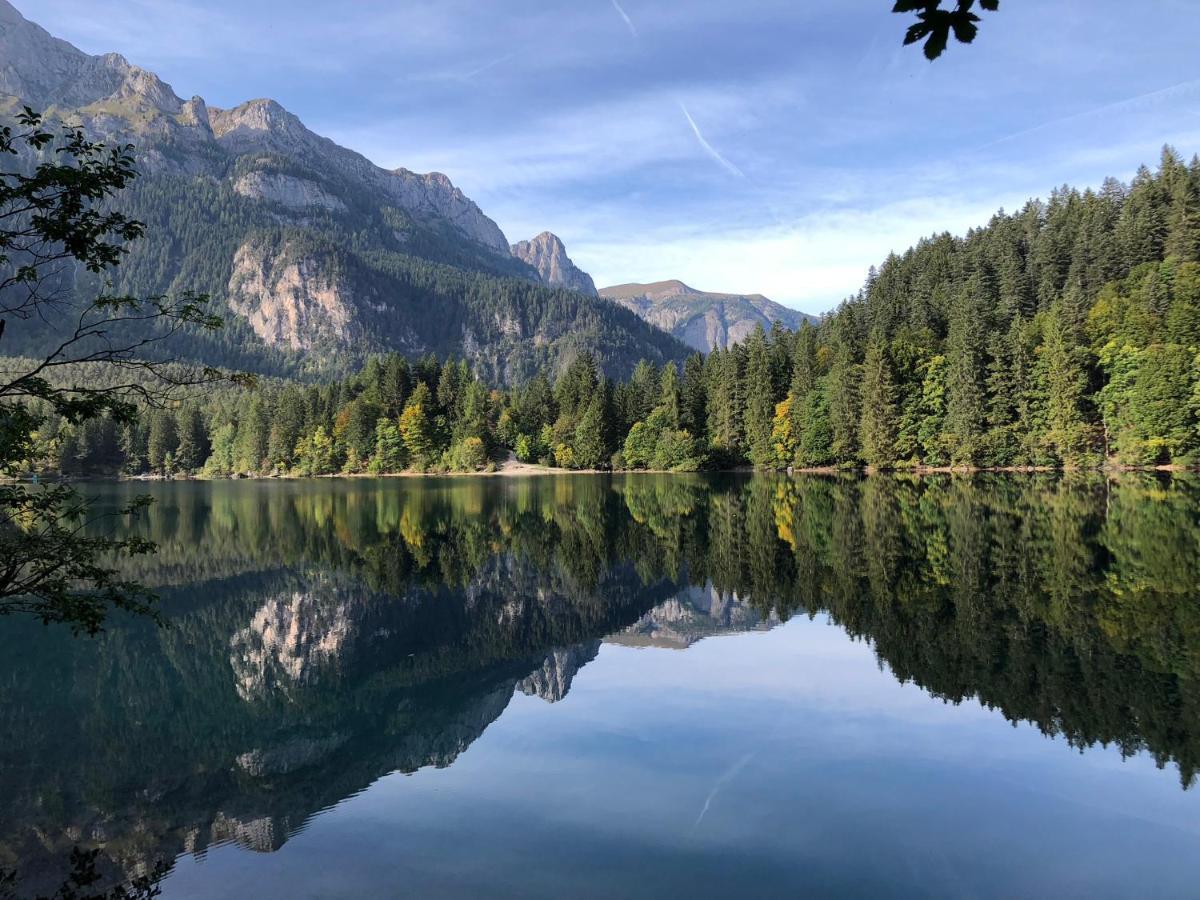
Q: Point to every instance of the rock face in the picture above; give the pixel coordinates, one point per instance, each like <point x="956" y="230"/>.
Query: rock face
<point x="546" y="254"/>
<point x="691" y="616"/>
<point x="291" y="299"/>
<point x="286" y="190"/>
<point x="553" y="680"/>
<point x="292" y="637"/>
<point x="703" y="320"/>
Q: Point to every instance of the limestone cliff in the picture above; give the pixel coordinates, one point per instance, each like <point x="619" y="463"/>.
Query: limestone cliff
<point x="547" y="255"/>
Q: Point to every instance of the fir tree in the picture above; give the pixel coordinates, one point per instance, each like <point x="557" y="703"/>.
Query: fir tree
<point x="162" y="441"/>
<point x="879" y="412"/>
<point x="965" y="400"/>
<point x="760" y="404"/>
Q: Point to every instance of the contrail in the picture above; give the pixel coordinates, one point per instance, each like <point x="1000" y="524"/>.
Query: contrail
<point x="1184" y="87"/>
<point x="624" y="15"/>
<point x="720" y="783"/>
<point x="489" y="65"/>
<point x="708" y="148"/>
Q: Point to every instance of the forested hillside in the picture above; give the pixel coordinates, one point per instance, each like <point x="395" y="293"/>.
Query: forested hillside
<point x="1067" y="333"/>
<point x="315" y="295"/>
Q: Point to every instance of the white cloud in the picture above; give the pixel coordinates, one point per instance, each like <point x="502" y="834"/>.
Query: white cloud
<point x="810" y="264"/>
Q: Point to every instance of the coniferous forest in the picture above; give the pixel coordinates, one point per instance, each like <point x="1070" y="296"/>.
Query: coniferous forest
<point x="1066" y="333"/>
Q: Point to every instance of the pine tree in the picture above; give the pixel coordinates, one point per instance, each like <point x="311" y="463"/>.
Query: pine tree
<point x="669" y="398"/>
<point x="725" y="408"/>
<point x="193" y="448"/>
<point x="1062" y="381"/>
<point x="416" y="427"/>
<point x="395" y="385"/>
<point x="390" y="453"/>
<point x="760" y="404"/>
<point x="644" y="390"/>
<point x="590" y="450"/>
<point x="694" y="400"/>
<point x="879" y="411"/>
<point x="1183" y="220"/>
<point x="253" y="431"/>
<point x="805" y="372"/>
<point x="134" y="449"/>
<point x="843" y="394"/>
<point x="162" y="440"/>
<point x="287" y="425"/>
<point x="965" y="400"/>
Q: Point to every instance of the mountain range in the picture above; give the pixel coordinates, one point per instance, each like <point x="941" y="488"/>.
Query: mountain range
<point x="320" y="257"/>
<point x="703" y="320"/>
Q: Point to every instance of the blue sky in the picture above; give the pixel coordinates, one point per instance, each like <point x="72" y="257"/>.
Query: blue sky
<point x="769" y="146"/>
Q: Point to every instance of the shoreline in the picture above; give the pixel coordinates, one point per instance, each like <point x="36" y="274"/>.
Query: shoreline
<point x="518" y="470"/>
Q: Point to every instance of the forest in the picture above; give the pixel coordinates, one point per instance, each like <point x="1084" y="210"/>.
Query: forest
<point x="1065" y="334"/>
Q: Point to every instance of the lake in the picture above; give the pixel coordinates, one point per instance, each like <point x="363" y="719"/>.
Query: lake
<point x="629" y="686"/>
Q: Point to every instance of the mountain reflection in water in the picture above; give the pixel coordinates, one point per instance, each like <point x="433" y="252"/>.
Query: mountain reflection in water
<point x="325" y="634"/>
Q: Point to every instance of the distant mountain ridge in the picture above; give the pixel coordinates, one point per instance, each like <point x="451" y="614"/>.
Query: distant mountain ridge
<point x="547" y="255"/>
<point x="320" y="255"/>
<point x="702" y="319"/>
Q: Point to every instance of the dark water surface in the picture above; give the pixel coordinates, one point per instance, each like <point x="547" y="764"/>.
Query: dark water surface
<point x="630" y="686"/>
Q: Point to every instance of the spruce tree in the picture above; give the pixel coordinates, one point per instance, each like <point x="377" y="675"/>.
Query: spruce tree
<point x="843" y="393"/>
<point x="591" y="451"/>
<point x="805" y="371"/>
<point x="669" y="398"/>
<point x="162" y="441"/>
<point x="760" y="405"/>
<point x="965" y="400"/>
<point x="879" y="411"/>
<point x="1183" y="219"/>
<point x="725" y="408"/>
<point x="694" y="400"/>
<point x="193" y="446"/>
<point x="1062" y="381"/>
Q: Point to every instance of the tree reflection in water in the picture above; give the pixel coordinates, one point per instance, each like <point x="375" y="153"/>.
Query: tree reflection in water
<point x="324" y="634"/>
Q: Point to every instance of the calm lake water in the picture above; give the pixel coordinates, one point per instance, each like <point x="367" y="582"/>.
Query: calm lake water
<point x="630" y="686"/>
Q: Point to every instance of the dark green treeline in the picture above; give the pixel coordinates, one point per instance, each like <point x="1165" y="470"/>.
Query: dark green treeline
<point x="1064" y="334"/>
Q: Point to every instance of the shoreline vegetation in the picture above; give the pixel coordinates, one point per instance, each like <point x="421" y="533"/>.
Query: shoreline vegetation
<point x="1063" y="336"/>
<point x="518" y="469"/>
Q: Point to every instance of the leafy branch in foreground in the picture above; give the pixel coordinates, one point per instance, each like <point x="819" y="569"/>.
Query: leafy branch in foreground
<point x="57" y="225"/>
<point x="934" y="24"/>
<point x="52" y="569"/>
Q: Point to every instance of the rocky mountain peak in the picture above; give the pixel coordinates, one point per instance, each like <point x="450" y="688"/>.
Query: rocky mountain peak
<point x="195" y="115"/>
<point x="548" y="256"/>
<point x="119" y="100"/>
<point x="261" y="115"/>
<point x="42" y="70"/>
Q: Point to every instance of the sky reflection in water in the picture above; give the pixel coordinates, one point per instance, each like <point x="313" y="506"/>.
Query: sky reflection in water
<point x="328" y="635"/>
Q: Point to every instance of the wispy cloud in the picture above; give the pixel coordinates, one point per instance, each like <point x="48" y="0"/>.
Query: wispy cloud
<point x="709" y="148"/>
<point x="624" y="15"/>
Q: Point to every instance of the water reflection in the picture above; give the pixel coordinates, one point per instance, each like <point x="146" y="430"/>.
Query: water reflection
<point x="325" y="634"/>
